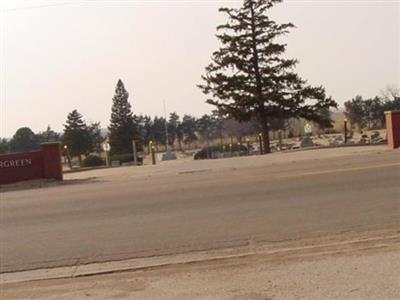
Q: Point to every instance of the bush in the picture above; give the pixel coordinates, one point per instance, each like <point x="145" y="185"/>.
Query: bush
<point x="202" y="154"/>
<point x="124" y="158"/>
<point x="93" y="161"/>
<point x="330" y="131"/>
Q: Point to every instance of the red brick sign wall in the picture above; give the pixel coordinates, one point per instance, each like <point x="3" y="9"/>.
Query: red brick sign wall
<point x="393" y="128"/>
<point x="45" y="163"/>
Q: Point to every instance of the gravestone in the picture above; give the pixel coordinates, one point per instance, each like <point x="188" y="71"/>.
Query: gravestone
<point x="115" y="163"/>
<point x="168" y="155"/>
<point x="306" y="142"/>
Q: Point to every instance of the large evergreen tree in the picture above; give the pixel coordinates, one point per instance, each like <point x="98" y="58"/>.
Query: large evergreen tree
<point x="123" y="129"/>
<point x="77" y="135"/>
<point x="249" y="77"/>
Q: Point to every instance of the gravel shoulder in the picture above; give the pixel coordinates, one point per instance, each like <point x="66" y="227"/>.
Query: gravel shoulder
<point x="352" y="265"/>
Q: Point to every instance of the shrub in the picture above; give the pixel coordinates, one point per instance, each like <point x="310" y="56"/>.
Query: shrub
<point x="124" y="158"/>
<point x="202" y="154"/>
<point x="93" y="161"/>
<point x="330" y="131"/>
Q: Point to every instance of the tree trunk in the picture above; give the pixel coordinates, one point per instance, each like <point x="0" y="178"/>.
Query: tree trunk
<point x="180" y="145"/>
<point x="265" y="137"/>
<point x="259" y="85"/>
<point x="280" y="139"/>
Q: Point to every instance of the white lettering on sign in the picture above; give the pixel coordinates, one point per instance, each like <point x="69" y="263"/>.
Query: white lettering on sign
<point x="23" y="162"/>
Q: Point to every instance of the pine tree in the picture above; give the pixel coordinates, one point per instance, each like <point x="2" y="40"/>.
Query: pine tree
<point x="123" y="129"/>
<point x="249" y="77"/>
<point x="77" y="135"/>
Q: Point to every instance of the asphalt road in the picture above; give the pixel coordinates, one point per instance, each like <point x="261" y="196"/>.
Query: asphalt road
<point x="156" y="213"/>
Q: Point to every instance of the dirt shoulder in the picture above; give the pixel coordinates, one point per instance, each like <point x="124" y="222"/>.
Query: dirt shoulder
<point x="351" y="265"/>
<point x="42" y="183"/>
<point x="184" y="166"/>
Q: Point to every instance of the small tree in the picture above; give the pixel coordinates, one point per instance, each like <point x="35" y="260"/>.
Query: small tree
<point x="4" y="146"/>
<point x="325" y="126"/>
<point x="158" y="130"/>
<point x="234" y="128"/>
<point x="123" y="129"/>
<point x="48" y="136"/>
<point x="354" y="111"/>
<point x="206" y="128"/>
<point x="173" y="128"/>
<point x="373" y="112"/>
<point x="188" y="128"/>
<point x="391" y="100"/>
<point x="370" y="113"/>
<point x="77" y="135"/>
<point x="147" y="129"/>
<point x="24" y="140"/>
<point x="180" y="135"/>
<point x="249" y="77"/>
<point x="96" y="136"/>
<point x="390" y="93"/>
<point x="392" y="105"/>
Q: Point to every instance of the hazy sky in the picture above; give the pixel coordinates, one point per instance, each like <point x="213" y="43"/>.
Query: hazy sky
<point x="69" y="56"/>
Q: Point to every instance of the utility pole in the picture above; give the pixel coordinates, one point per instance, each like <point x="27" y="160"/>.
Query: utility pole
<point x="153" y="155"/>
<point x="166" y="128"/>
<point x="68" y="156"/>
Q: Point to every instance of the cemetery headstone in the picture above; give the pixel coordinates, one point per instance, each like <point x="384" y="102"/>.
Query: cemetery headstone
<point x="306" y="142"/>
